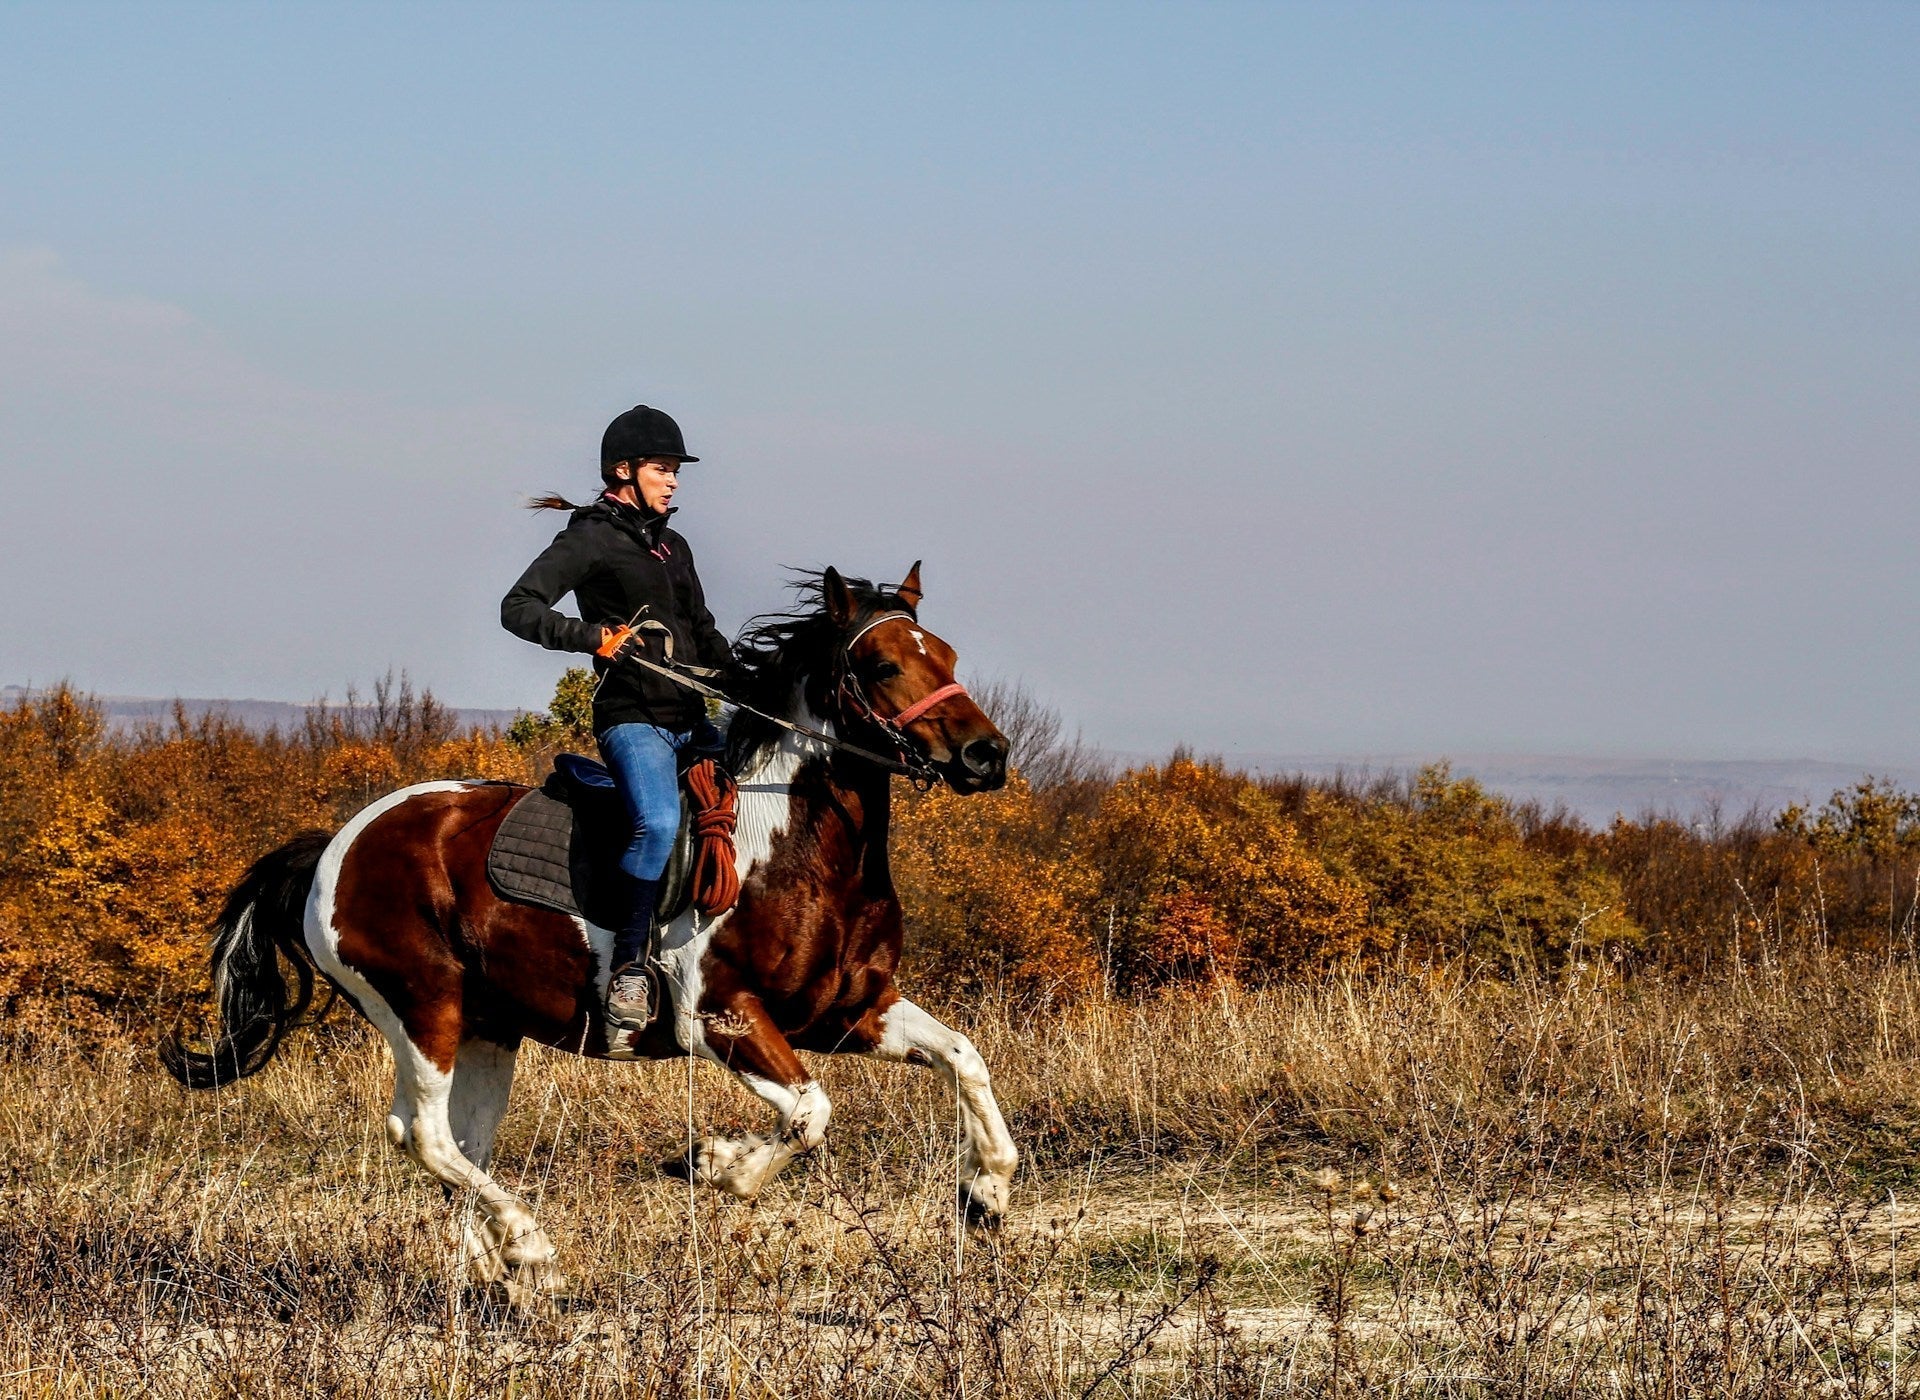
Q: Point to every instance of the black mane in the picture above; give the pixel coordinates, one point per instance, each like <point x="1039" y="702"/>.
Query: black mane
<point x="776" y="651"/>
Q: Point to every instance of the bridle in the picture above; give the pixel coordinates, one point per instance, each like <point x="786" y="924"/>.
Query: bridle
<point x="850" y="695"/>
<point x="853" y="699"/>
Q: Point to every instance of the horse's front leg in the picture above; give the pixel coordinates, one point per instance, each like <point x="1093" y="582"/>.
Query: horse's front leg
<point x="987" y="1155"/>
<point x="742" y="1037"/>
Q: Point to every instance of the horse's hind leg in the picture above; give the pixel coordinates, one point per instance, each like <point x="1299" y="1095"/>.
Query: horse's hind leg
<point x="510" y="1247"/>
<point x="482" y="1083"/>
<point x="744" y="1039"/>
<point x="369" y="929"/>
<point x="987" y="1154"/>
<point x="519" y="1251"/>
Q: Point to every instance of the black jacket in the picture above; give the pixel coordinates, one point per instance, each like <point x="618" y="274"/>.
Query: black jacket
<point x="614" y="559"/>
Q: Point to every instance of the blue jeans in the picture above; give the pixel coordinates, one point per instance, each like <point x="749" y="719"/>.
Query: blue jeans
<point x="645" y="762"/>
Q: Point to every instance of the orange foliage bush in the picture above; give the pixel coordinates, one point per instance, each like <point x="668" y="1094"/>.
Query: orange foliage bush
<point x="1204" y="877"/>
<point x="116" y="851"/>
<point x="990" y="898"/>
<point x="1450" y="871"/>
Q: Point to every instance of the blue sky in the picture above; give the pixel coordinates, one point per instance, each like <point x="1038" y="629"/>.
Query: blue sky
<point x="1273" y="378"/>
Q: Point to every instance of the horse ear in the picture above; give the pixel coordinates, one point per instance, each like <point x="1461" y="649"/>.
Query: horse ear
<point x="909" y="589"/>
<point x="839" y="600"/>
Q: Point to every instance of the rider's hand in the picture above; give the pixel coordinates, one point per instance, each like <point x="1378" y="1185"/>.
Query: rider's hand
<point x="611" y="640"/>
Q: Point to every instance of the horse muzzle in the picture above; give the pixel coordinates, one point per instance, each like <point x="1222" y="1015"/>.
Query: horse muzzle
<point x="982" y="766"/>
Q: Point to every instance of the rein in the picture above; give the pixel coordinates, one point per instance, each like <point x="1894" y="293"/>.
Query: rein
<point x="909" y="763"/>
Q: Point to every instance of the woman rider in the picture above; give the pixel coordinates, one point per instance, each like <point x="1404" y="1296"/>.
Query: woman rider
<point x="622" y="564"/>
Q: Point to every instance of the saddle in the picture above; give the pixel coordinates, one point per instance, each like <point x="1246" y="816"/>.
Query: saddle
<point x="560" y="846"/>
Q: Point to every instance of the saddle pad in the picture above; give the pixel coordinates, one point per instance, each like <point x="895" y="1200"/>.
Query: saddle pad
<point x="531" y="858"/>
<point x="556" y="855"/>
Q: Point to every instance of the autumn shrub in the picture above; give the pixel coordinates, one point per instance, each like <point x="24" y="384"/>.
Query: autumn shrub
<point x="116" y="851"/>
<point x="1449" y="871"/>
<point x="117" y="848"/>
<point x="1202" y="877"/>
<point x="568" y="721"/>
<point x="1844" y="875"/>
<point x="1178" y="874"/>
<point x="993" y="900"/>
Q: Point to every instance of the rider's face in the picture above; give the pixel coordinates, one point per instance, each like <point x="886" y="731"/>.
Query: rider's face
<point x="655" y="479"/>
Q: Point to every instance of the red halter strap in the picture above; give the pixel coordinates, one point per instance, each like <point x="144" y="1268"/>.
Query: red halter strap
<point x="927" y="702"/>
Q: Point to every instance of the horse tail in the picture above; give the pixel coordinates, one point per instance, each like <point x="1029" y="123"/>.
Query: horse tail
<point x="265" y="913"/>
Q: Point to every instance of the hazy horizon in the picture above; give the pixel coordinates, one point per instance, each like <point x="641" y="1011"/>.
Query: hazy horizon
<point x="1308" y="379"/>
<point x="1595" y="789"/>
<point x="1904" y="766"/>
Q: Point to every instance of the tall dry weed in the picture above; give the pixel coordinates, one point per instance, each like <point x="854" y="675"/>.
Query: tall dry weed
<point x="1419" y="1186"/>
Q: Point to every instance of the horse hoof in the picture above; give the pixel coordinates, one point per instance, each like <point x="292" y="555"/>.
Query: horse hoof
<point x="531" y="1299"/>
<point x="679" y="1168"/>
<point x="980" y="1214"/>
<point x="704" y="1162"/>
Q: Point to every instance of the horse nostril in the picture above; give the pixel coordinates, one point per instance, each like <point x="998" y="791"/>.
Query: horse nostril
<point x="985" y="756"/>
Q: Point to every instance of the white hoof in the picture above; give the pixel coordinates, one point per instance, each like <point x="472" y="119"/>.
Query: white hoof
<point x="529" y="1249"/>
<point x="534" y="1289"/>
<point x="985" y="1198"/>
<point x="737" y="1166"/>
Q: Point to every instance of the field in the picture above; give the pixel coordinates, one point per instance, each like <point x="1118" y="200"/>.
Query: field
<point x="1322" y="1089"/>
<point x="1413" y="1183"/>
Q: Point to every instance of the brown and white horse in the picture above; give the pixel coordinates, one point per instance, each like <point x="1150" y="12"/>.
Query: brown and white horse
<point x="396" y="911"/>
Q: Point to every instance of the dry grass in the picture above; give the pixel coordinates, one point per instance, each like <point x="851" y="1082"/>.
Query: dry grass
<point x="1416" y="1184"/>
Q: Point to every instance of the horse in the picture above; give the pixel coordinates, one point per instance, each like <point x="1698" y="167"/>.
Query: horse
<point x="395" y="910"/>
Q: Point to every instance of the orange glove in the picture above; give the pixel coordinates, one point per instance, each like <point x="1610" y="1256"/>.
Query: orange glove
<point x="612" y="639"/>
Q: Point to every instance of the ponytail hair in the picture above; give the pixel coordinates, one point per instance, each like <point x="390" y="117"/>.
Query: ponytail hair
<point x="552" y="501"/>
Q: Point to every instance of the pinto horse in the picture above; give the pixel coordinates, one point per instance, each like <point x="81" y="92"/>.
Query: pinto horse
<point x="395" y="910"/>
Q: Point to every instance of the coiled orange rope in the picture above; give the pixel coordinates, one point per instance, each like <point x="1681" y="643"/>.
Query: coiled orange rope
<point x="716" y="883"/>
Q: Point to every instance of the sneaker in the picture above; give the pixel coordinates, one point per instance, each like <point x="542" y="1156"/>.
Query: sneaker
<point x="630" y="998"/>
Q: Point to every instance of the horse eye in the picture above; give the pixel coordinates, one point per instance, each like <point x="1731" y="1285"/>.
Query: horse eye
<point x="885" y="671"/>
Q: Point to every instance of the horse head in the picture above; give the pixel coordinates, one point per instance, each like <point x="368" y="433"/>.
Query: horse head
<point x="896" y="676"/>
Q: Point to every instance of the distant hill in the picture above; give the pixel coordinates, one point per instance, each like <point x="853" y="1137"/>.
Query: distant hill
<point x="1593" y="789"/>
<point x="1598" y="789"/>
<point x="125" y="712"/>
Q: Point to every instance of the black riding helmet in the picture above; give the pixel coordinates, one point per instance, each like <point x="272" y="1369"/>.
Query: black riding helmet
<point x="641" y="432"/>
